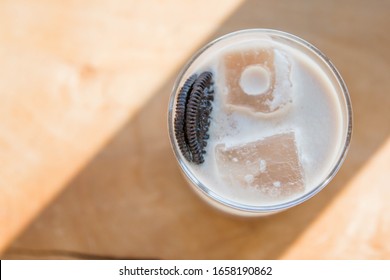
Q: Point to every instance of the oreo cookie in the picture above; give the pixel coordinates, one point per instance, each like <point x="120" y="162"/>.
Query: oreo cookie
<point x="192" y="116"/>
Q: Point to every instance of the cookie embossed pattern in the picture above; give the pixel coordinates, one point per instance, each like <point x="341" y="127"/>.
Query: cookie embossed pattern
<point x="259" y="121"/>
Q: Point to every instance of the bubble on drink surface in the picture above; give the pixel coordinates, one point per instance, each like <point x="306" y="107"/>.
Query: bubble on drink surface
<point x="257" y="79"/>
<point x="273" y="163"/>
<point x="262" y="165"/>
<point x="249" y="178"/>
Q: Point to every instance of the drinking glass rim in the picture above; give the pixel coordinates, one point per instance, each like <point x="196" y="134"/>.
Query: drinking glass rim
<point x="272" y="207"/>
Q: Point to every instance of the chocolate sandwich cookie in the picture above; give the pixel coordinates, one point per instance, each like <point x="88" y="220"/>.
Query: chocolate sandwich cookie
<point x="192" y="116"/>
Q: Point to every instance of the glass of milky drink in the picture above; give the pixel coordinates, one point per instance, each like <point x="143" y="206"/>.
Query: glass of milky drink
<point x="259" y="121"/>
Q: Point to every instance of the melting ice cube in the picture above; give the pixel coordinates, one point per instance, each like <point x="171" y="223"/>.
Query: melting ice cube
<point x="270" y="165"/>
<point x="257" y="79"/>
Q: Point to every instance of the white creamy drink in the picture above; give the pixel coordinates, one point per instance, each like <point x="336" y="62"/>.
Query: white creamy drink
<point x="279" y="127"/>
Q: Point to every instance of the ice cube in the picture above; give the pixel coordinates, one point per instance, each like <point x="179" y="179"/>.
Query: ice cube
<point x="270" y="165"/>
<point x="256" y="79"/>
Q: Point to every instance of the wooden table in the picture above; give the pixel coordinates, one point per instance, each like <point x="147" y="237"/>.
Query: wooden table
<point x="86" y="166"/>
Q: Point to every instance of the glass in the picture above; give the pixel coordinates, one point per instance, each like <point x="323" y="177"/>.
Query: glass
<point x="337" y="89"/>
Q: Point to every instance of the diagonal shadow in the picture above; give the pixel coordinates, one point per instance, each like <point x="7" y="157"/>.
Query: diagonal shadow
<point x="131" y="199"/>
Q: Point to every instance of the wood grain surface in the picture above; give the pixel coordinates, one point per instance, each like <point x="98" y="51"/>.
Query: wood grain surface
<point x="86" y="166"/>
